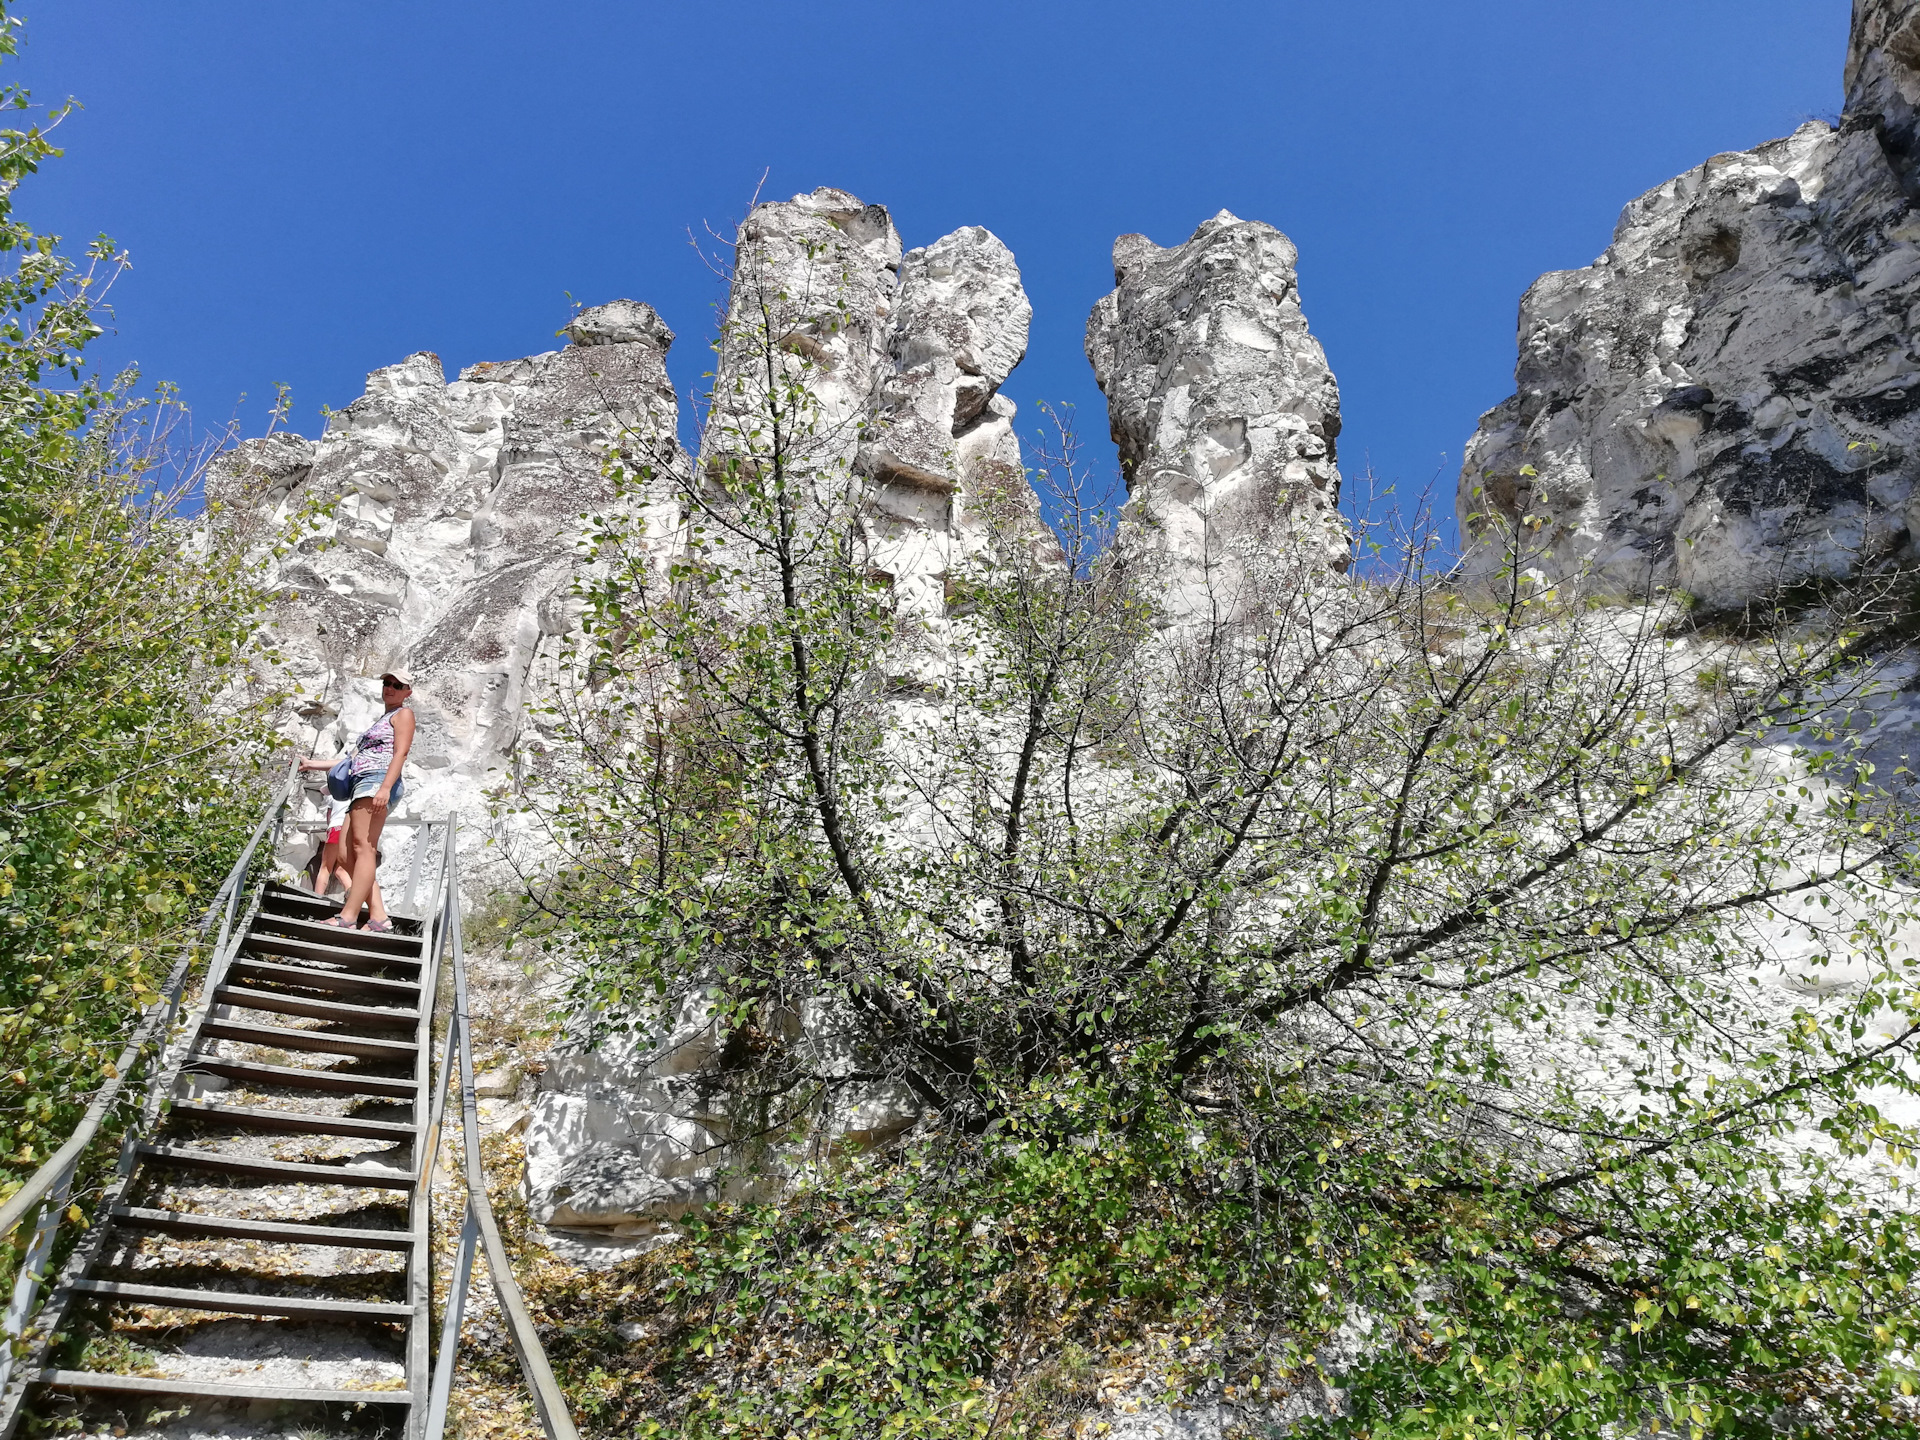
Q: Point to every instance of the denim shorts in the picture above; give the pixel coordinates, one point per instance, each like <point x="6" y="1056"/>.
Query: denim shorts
<point x="365" y="785"/>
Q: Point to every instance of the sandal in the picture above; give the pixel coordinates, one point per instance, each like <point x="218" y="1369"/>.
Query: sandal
<point x="380" y="927"/>
<point x="339" y="922"/>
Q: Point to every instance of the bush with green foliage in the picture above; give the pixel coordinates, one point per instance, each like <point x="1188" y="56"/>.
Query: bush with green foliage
<point x="1366" y="952"/>
<point x="131" y="730"/>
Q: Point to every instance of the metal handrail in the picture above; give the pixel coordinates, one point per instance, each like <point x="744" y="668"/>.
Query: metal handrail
<point x="36" y="1189"/>
<point x="49" y="1186"/>
<point x="404" y="822"/>
<point x="549" y="1402"/>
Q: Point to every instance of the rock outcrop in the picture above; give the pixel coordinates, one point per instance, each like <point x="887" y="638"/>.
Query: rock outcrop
<point x="904" y="353"/>
<point x="1728" y="399"/>
<point x="629" y="1133"/>
<point x="449" y="547"/>
<point x="815" y="277"/>
<point x="1223" y="407"/>
<point x="449" y="544"/>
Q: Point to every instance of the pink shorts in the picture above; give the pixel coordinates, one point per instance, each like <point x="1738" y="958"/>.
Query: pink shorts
<point x="333" y="835"/>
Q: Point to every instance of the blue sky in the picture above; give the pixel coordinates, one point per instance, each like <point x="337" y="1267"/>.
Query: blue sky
<point x="312" y="190"/>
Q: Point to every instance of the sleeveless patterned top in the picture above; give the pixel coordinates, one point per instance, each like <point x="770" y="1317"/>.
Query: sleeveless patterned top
<point x="373" y="751"/>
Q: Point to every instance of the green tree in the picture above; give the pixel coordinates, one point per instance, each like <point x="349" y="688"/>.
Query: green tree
<point x="1371" y="953"/>
<point x="131" y="729"/>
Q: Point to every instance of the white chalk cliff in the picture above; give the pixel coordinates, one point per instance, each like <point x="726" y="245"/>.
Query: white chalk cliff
<point x="449" y="544"/>
<point x="908" y="350"/>
<point x="457" y="508"/>
<point x="450" y="549"/>
<point x="1222" y="405"/>
<point x="1728" y="399"/>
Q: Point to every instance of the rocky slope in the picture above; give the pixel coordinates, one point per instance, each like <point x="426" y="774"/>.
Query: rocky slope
<point x="1728" y="399"/>
<point x="1227" y="415"/>
<point x="455" y="510"/>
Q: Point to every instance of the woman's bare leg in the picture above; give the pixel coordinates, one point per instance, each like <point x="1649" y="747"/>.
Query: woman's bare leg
<point x="376" y="902"/>
<point x="364" y="824"/>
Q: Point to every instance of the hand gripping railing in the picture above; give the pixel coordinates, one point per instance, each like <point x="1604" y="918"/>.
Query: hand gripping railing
<point x="47" y="1191"/>
<point x="479" y="1227"/>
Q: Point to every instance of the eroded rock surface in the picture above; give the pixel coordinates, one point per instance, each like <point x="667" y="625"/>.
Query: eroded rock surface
<point x="628" y="1134"/>
<point x="959" y="328"/>
<point x="451" y="549"/>
<point x="1728" y="399"/>
<point x="905" y="352"/>
<point x="448" y="557"/>
<point x="1222" y="404"/>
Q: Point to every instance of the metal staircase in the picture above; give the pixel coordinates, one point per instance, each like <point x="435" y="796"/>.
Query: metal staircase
<point x="268" y="1213"/>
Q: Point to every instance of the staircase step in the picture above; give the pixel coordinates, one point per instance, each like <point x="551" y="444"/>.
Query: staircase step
<point x="228" y="1227"/>
<point x="366" y="942"/>
<point x="290" y="1171"/>
<point x="296" y="1077"/>
<point x="293" y="947"/>
<point x="291" y="1122"/>
<point x="126" y="1292"/>
<point x="309" y="978"/>
<point x="319" y="1041"/>
<point x="285" y="900"/>
<point x="372" y="1016"/>
<point x="158" y="1385"/>
<point x="278" y="899"/>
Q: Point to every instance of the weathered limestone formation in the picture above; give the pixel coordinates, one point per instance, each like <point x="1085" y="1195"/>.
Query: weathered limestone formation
<point x="906" y="354"/>
<point x="450" y="548"/>
<point x="629" y="1134"/>
<point x="1728" y="399"/>
<point x="1222" y="405"/>
<point x="959" y="328"/>
<point x="814" y="277"/>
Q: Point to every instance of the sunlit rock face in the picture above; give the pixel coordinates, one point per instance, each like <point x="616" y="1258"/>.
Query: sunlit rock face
<point x="1728" y="399"/>
<point x="456" y="509"/>
<point x="815" y="277"/>
<point x="451" y="545"/>
<point x="959" y="329"/>
<point x="1223" y="407"/>
<point x="628" y="1134"/>
<point x="448" y="556"/>
<point x="905" y="354"/>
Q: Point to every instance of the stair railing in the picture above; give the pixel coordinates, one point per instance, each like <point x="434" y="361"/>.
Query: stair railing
<point x="48" y="1190"/>
<point x="479" y="1226"/>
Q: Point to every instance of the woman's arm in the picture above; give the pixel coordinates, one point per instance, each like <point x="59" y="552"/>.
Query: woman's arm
<point x="321" y="764"/>
<point x="402" y="742"/>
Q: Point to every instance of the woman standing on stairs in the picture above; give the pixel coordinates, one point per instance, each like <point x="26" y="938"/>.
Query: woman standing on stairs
<point x="378" y="758"/>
